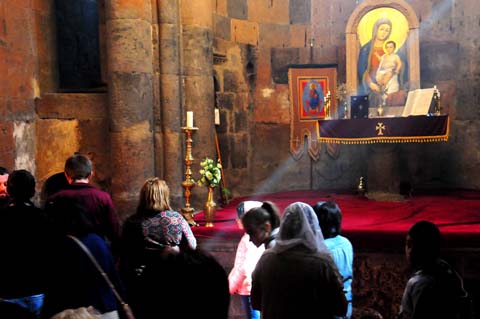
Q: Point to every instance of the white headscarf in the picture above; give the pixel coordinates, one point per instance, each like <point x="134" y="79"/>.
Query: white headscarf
<point x="249" y="204"/>
<point x="299" y="226"/>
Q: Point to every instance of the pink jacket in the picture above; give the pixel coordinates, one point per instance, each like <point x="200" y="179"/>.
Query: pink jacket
<point x="240" y="277"/>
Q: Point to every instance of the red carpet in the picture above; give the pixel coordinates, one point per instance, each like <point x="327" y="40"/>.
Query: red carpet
<point x="372" y="223"/>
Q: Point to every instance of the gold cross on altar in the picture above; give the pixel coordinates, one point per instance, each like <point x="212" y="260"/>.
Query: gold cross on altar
<point x="380" y="128"/>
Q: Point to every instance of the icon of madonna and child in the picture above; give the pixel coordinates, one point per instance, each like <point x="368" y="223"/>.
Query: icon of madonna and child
<point x="382" y="67"/>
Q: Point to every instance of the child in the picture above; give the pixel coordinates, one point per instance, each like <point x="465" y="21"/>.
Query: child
<point x="240" y="278"/>
<point x="262" y="224"/>
<point x="330" y="219"/>
<point x="390" y="65"/>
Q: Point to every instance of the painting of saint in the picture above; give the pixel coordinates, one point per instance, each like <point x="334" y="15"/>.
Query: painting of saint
<point x="382" y="68"/>
<point x="312" y="99"/>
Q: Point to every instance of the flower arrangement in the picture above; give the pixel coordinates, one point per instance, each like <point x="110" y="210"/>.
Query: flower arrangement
<point x="210" y="173"/>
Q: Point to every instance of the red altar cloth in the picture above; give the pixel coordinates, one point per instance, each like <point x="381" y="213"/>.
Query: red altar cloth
<point x="372" y="223"/>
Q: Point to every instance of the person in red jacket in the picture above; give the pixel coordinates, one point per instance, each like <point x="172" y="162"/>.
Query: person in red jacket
<point x="97" y="203"/>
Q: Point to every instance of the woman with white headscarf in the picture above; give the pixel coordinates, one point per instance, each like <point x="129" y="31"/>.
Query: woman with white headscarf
<point x="297" y="278"/>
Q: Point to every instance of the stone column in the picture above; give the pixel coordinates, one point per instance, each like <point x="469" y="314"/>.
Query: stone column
<point x="197" y="53"/>
<point x="169" y="147"/>
<point x="129" y="50"/>
<point x="186" y="84"/>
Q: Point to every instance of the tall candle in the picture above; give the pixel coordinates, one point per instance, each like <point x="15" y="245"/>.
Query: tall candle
<point x="217" y="117"/>
<point x="189" y="119"/>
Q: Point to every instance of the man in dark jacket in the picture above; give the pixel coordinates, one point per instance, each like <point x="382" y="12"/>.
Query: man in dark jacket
<point x="23" y="247"/>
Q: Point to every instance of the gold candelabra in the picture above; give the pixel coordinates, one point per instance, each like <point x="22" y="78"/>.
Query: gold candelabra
<point x="327" y="105"/>
<point x="188" y="183"/>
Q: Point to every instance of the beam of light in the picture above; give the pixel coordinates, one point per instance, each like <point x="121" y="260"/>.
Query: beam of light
<point x="438" y="13"/>
<point x="275" y="178"/>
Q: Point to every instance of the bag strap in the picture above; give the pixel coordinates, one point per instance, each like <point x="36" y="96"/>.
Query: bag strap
<point x="100" y="269"/>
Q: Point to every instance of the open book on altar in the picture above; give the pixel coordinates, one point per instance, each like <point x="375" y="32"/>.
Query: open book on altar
<point x="418" y="102"/>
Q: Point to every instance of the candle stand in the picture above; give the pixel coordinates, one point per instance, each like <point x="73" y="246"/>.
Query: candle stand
<point x="327" y="100"/>
<point x="188" y="183"/>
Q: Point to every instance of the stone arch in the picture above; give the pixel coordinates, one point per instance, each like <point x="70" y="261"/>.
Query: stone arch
<point x="353" y="44"/>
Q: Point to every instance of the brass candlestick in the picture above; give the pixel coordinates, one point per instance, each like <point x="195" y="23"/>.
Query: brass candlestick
<point x="188" y="183"/>
<point x="327" y="106"/>
<point x="345" y="110"/>
<point x="383" y="102"/>
<point x="361" y="186"/>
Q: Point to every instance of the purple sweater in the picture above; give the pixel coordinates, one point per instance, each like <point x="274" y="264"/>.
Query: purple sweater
<point x="97" y="203"/>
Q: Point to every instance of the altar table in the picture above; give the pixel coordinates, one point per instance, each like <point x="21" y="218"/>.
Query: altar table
<point x="411" y="129"/>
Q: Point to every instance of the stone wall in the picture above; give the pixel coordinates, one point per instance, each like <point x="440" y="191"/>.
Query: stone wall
<point x="279" y="33"/>
<point x="63" y="130"/>
<point x="19" y="83"/>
